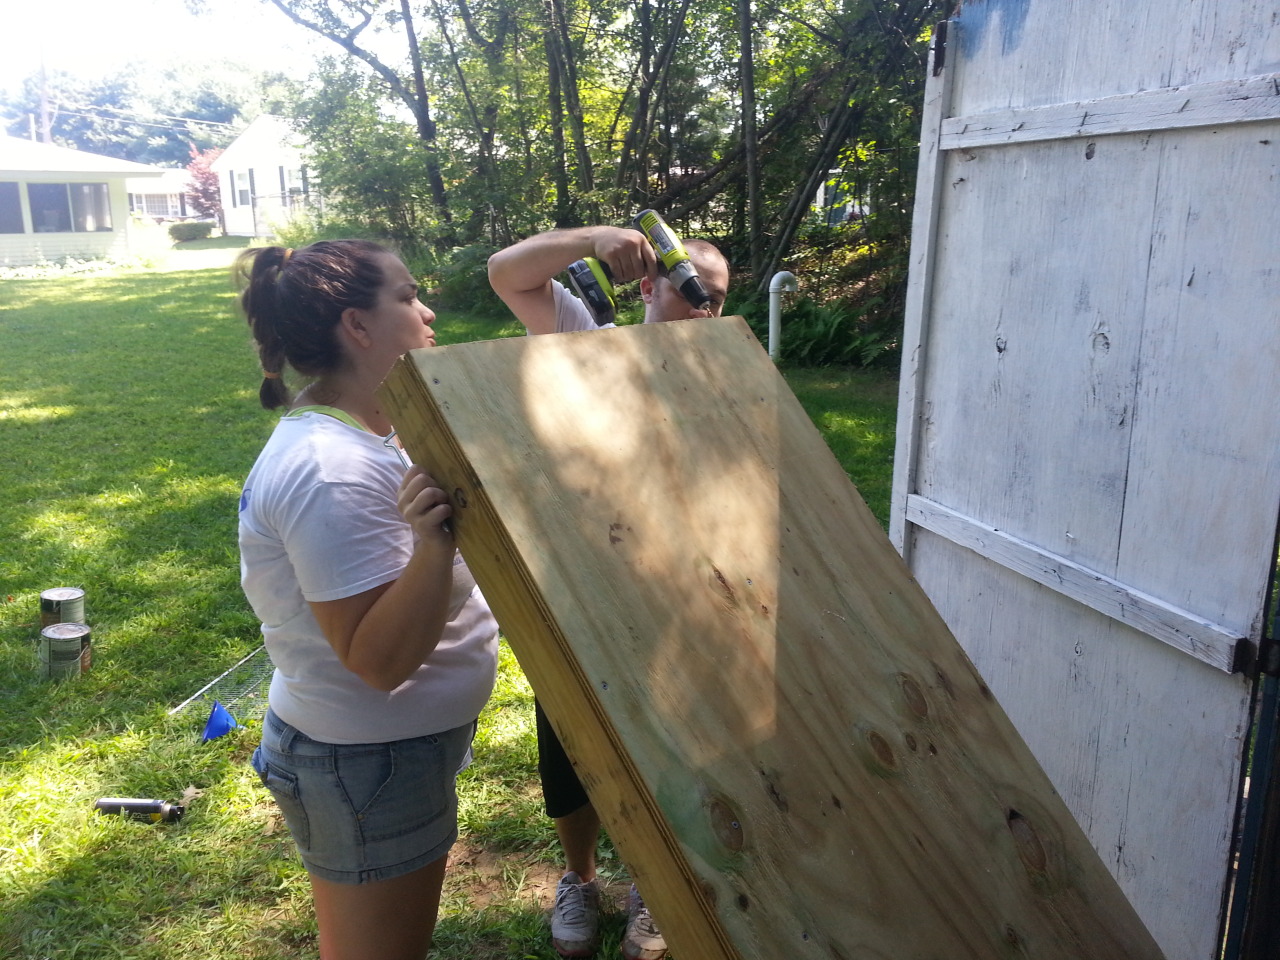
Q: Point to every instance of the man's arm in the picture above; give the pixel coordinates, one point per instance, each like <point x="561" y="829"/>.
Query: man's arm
<point x="521" y="274"/>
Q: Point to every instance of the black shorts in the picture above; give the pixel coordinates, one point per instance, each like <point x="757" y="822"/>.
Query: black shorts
<point x="562" y="791"/>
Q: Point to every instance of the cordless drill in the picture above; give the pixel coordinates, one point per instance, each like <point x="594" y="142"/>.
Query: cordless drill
<point x="593" y="282"/>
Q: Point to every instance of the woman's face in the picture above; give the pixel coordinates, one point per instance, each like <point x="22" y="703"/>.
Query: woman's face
<point x="399" y="320"/>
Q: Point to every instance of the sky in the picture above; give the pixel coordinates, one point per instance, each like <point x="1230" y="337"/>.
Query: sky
<point x="94" y="38"/>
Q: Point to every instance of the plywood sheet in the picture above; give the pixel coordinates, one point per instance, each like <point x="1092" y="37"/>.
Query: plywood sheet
<point x="791" y="751"/>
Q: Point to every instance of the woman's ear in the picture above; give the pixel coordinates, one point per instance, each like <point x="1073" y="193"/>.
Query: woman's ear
<point x="646" y="289"/>
<point x="353" y="325"/>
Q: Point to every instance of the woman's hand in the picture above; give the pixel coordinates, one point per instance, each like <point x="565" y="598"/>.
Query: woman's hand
<point x="425" y="506"/>
<point x="383" y="635"/>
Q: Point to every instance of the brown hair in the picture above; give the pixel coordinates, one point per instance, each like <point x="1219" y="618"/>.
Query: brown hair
<point x="294" y="300"/>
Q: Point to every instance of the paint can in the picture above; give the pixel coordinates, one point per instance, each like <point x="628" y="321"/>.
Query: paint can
<point x="65" y="650"/>
<point x="61" y="605"/>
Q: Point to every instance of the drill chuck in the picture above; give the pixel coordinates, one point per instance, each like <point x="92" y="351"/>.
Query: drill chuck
<point x="686" y="280"/>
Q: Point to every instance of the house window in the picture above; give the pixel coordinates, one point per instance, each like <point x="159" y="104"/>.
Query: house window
<point x="159" y="205"/>
<point x="69" y="207"/>
<point x="242" y="188"/>
<point x="10" y="209"/>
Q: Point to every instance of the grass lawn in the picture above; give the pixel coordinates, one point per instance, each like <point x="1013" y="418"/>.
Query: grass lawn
<point x="128" y="418"/>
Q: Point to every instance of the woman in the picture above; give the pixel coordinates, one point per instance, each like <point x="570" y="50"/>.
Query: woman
<point x="384" y="649"/>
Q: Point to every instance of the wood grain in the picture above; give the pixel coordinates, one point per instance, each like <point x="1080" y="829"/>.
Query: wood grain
<point x="791" y="751"/>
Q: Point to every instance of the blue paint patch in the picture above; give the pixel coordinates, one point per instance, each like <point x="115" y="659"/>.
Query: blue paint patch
<point x="978" y="18"/>
<point x="244" y="500"/>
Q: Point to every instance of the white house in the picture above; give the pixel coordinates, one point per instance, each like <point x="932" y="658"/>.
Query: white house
<point x="160" y="198"/>
<point x="263" y="178"/>
<point x="56" y="203"/>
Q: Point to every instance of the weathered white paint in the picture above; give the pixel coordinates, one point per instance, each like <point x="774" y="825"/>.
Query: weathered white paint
<point x="1198" y="105"/>
<point x="924" y="243"/>
<point x="1088" y="396"/>
<point x="1208" y="642"/>
<point x="1142" y="742"/>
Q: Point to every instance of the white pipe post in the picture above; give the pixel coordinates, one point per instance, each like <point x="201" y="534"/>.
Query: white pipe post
<point x="782" y="280"/>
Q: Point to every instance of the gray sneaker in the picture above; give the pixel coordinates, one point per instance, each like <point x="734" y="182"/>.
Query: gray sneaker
<point x="575" y="917"/>
<point x="643" y="940"/>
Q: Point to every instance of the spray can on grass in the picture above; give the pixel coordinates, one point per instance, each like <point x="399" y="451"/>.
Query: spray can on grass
<point x="136" y="808"/>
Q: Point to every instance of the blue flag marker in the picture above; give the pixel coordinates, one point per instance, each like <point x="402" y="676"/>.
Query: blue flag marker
<point x="220" y="722"/>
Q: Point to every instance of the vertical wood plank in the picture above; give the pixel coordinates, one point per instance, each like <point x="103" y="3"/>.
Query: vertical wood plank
<point x="924" y="239"/>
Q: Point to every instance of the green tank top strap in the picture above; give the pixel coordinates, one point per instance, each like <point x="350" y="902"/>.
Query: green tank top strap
<point x="329" y="412"/>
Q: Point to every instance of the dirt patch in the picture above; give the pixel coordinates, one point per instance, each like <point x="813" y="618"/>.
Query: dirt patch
<point x="485" y="877"/>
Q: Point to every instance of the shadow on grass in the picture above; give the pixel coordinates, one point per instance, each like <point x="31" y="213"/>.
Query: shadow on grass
<point x="214" y="243"/>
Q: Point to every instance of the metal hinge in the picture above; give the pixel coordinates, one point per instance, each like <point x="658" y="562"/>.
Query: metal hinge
<point x="1268" y="663"/>
<point x="939" y="49"/>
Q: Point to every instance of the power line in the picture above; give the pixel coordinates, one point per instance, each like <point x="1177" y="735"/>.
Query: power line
<point x="139" y="123"/>
<point x="158" y="116"/>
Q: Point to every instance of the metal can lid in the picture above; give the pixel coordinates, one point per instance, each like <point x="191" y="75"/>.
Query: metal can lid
<point x="62" y="593"/>
<point x="65" y="631"/>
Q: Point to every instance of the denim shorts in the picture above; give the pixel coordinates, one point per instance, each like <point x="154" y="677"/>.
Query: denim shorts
<point x="362" y="812"/>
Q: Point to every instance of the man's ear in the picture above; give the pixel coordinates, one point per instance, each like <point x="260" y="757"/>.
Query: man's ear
<point x="353" y="325"/>
<point x="646" y="289"/>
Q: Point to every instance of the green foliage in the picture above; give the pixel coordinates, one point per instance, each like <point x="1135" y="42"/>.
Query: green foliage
<point x="464" y="281"/>
<point x="525" y="122"/>
<point x="152" y="117"/>
<point x="815" y="334"/>
<point x="190" y="230"/>
<point x="373" y="169"/>
<point x="308" y="227"/>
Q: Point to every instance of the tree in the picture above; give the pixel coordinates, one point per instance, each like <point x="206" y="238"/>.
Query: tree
<point x="726" y="117"/>
<point x="322" y="18"/>
<point x="152" y="119"/>
<point x="204" y="192"/>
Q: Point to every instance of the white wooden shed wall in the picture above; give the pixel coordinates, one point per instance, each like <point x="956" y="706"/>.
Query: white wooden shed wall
<point x="1087" y="480"/>
<point x="262" y="178"/>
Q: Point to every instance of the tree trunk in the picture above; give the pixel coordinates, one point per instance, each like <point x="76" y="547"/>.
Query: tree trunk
<point x="747" y="72"/>
<point x="573" y="105"/>
<point x="485" y="126"/>
<point x="422" y="113"/>
<point x="629" y="164"/>
<point x="560" y="170"/>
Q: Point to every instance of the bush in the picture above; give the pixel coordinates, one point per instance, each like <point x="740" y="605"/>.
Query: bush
<point x="814" y="334"/>
<point x="305" y="228"/>
<point x="464" y="281"/>
<point x="191" y="230"/>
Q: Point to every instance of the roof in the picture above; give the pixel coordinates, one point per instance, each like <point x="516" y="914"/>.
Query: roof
<point x="170" y="180"/>
<point x="264" y="140"/>
<point x="29" y="156"/>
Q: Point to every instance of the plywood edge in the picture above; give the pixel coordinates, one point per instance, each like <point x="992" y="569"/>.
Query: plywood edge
<point x="568" y="696"/>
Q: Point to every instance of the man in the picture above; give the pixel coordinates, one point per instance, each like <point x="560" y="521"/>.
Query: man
<point x="523" y="276"/>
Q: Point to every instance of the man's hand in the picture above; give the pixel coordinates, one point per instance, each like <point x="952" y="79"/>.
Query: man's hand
<point x="521" y="274"/>
<point x="628" y="253"/>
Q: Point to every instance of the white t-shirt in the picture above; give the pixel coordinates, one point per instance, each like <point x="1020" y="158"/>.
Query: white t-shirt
<point x="571" y="313"/>
<point x="318" y="521"/>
